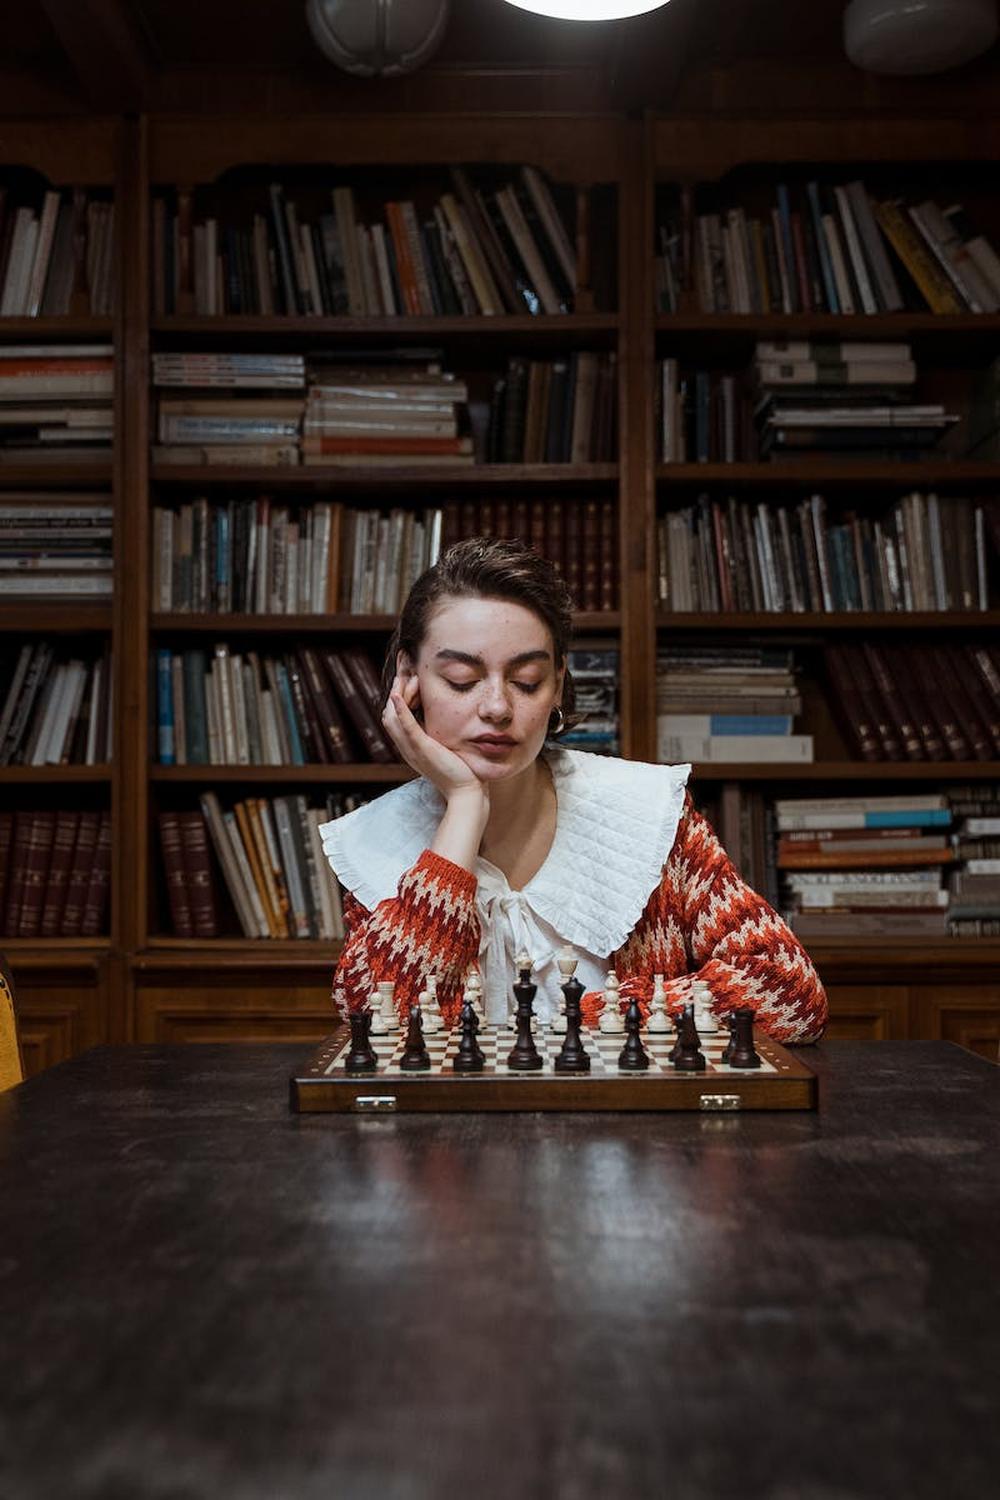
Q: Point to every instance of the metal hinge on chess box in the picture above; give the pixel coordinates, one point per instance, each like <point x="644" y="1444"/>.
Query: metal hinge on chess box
<point x="323" y="1085"/>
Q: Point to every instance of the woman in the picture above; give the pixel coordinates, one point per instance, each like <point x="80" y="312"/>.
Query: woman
<point x="510" y="842"/>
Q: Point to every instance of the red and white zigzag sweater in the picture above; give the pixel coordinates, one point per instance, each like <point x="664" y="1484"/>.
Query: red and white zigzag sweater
<point x="701" y="922"/>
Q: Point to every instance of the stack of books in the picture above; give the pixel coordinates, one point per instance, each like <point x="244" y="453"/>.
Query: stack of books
<point x="974" y="882"/>
<point x="55" y="551"/>
<point x="924" y="553"/>
<point x="273" y="868"/>
<point x="368" y="415"/>
<point x="234" y="429"/>
<point x="832" y="248"/>
<point x="917" y="702"/>
<point x="721" y="703"/>
<point x="56" y="711"/>
<point x="862" y="866"/>
<point x="312" y="706"/>
<point x="594" y="667"/>
<point x="846" y="399"/>
<point x="57" y="257"/>
<point x="55" y="873"/>
<point x="499" y="247"/>
<point x="56" y="403"/>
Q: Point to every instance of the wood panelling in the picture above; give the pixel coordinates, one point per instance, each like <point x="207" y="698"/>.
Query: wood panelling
<point x="62" y="1003"/>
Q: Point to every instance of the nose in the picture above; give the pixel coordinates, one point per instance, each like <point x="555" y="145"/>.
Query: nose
<point x="494" y="701"/>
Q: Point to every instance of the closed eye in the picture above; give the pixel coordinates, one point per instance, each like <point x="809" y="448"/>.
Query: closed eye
<point x="463" y="687"/>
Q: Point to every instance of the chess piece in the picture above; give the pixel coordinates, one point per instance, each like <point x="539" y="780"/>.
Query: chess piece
<point x="362" y="1058"/>
<point x="386" y="989"/>
<point x="470" y="1057"/>
<point x="727" y="1050"/>
<point x="611" y="1022"/>
<point x="567" y="961"/>
<point x="633" y="1057"/>
<point x="742" y="1053"/>
<point x="377" y="1026"/>
<point x="415" y="1058"/>
<point x="675" y="1050"/>
<point x="524" y="1056"/>
<point x="704" y="1016"/>
<point x="474" y="991"/>
<point x="430" y="1009"/>
<point x="572" y="1056"/>
<point x="658" y="1022"/>
<point x="689" y="1056"/>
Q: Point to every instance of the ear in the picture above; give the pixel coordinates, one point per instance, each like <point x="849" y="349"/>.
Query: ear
<point x="404" y="666"/>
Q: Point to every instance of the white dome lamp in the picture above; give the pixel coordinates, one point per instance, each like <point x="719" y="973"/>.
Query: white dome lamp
<point x="588" y="10"/>
<point x="917" y="36"/>
<point x="377" y="38"/>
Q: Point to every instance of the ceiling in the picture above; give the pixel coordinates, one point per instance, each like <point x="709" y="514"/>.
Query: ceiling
<point x="693" y="55"/>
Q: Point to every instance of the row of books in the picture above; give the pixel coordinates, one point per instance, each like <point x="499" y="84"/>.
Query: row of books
<point x="401" y="412"/>
<point x="275" y="878"/>
<point x="57" y="256"/>
<point x="56" y="403"/>
<point x="722" y="705"/>
<point x="54" y="550"/>
<point x="308" y="706"/>
<point x="55" y="872"/>
<point x="56" y="711"/>
<point x="703" y="416"/>
<point x="831" y="248"/>
<point x="974" y="883"/>
<point x="486" y="248"/>
<point x="925" y="552"/>
<point x="256" y="557"/>
<point x="917" y="703"/>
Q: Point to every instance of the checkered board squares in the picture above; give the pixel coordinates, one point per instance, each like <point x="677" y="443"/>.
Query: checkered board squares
<point x="497" y="1042"/>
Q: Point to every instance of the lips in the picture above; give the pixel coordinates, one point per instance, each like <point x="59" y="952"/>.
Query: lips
<point x="493" y="739"/>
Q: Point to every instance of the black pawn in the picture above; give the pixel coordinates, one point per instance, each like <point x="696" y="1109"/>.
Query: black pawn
<point x="524" y="1056"/>
<point x="362" y="1058"/>
<point x="572" y="1056"/>
<point x="633" y="1057"/>
<point x="690" y="1058"/>
<point x="675" y="1050"/>
<point x="727" y="1050"/>
<point x="741" y="1051"/>
<point x="415" y="1058"/>
<point x="470" y="1057"/>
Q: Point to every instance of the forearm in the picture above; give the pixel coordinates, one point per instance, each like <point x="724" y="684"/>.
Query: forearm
<point x="460" y="831"/>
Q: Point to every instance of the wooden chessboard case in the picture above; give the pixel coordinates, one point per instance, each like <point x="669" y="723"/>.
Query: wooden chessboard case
<point x="324" y="1086"/>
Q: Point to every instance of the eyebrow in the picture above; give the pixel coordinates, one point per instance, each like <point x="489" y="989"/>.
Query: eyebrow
<point x="477" y="661"/>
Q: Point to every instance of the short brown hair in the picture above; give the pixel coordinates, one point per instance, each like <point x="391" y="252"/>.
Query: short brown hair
<point x="484" y="568"/>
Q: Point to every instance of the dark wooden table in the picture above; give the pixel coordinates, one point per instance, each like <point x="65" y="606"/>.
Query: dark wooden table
<point x="204" y="1296"/>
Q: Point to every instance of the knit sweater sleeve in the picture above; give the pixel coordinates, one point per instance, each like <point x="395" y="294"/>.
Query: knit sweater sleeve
<point x="732" y="940"/>
<point x="429" y="925"/>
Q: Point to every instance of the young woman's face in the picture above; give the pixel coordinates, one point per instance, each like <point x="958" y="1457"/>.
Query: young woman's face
<point x="488" y="683"/>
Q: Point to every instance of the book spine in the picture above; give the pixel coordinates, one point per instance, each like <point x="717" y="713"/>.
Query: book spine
<point x="175" y="874"/>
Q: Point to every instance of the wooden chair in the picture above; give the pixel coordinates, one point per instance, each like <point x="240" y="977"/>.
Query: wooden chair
<point x="10" y="1054"/>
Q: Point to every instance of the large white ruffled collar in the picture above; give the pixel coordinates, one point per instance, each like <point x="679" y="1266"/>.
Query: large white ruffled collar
<point x="615" y="827"/>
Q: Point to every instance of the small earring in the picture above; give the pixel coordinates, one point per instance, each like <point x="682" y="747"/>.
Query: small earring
<point x="561" y="724"/>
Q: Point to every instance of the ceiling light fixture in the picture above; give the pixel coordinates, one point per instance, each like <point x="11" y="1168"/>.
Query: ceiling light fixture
<point x="589" y="10"/>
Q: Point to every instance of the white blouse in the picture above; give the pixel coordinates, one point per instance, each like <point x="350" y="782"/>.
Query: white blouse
<point x="616" y="821"/>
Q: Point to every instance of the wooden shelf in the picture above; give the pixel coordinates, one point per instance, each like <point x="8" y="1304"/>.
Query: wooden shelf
<point x="47" y="775"/>
<point x="568" y="328"/>
<point x="808" y="620"/>
<point x="234" y="953"/>
<point x="749" y="327"/>
<point x="87" y="476"/>
<point x="591" y="620"/>
<point x="417" y="477"/>
<point x="957" y="771"/>
<point x="937" y="473"/>
<point x="332" y="775"/>
<point x="25" y="330"/>
<point x="53" y="952"/>
<point x="57" y="618"/>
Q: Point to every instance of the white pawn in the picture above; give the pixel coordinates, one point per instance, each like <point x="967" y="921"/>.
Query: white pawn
<point x="611" y="1021"/>
<point x="567" y="962"/>
<point x="378" y="1026"/>
<point x="430" y="1010"/>
<point x="658" y="1023"/>
<point x="474" y="994"/>
<point x="522" y="963"/>
<point x="704" y="1017"/>
<point x="386" y="990"/>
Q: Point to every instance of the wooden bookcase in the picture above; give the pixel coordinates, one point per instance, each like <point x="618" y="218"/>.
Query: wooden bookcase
<point x="142" y="985"/>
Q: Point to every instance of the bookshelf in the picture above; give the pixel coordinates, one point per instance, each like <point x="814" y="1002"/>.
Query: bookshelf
<point x="142" y="983"/>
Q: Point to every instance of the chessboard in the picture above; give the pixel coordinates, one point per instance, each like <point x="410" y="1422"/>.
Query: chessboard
<point x="325" y="1086"/>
